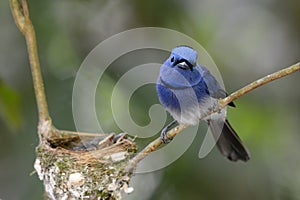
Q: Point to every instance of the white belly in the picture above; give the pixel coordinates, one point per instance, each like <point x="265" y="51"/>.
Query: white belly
<point x="190" y="114"/>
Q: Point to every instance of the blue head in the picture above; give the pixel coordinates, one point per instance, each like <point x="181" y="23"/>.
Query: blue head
<point x="185" y="53"/>
<point x="180" y="69"/>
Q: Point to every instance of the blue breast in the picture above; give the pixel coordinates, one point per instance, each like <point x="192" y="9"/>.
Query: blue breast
<point x="168" y="98"/>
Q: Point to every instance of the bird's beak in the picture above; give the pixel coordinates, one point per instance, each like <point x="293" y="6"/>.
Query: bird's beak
<point x="184" y="65"/>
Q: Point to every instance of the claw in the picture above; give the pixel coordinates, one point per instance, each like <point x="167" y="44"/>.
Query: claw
<point x="164" y="137"/>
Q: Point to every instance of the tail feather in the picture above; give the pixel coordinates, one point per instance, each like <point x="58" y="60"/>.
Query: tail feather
<point x="228" y="142"/>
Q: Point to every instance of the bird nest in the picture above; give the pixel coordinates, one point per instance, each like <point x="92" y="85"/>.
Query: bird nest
<point x="85" y="167"/>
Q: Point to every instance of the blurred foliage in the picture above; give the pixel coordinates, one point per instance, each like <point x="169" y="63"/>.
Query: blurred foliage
<point x="10" y="106"/>
<point x="247" y="40"/>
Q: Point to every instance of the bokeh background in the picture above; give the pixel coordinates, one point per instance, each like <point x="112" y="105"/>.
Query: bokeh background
<point x="247" y="40"/>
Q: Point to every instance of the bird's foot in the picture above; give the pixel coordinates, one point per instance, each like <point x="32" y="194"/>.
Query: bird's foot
<point x="164" y="136"/>
<point x="215" y="107"/>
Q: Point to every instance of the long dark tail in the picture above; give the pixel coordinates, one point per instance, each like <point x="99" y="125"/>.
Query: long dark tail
<point x="228" y="142"/>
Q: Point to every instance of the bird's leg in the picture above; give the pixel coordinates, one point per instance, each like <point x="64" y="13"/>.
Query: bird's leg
<point x="163" y="136"/>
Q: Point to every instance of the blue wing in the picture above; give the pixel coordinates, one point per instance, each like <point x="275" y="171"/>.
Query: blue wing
<point x="214" y="88"/>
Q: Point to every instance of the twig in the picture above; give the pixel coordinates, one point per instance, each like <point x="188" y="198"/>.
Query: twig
<point x="21" y="17"/>
<point x="258" y="83"/>
<point x="222" y="103"/>
<point x="80" y="134"/>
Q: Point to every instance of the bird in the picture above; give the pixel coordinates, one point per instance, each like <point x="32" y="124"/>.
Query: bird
<point x="189" y="92"/>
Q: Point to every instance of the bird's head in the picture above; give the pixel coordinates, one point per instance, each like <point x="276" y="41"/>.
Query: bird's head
<point x="180" y="69"/>
<point x="183" y="57"/>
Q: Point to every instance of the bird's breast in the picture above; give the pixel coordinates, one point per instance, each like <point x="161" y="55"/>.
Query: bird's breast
<point x="186" y="105"/>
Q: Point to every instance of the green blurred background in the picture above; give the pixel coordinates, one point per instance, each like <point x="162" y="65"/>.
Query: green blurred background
<point x="247" y="40"/>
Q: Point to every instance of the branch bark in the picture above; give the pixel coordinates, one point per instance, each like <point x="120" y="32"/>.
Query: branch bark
<point x="21" y="16"/>
<point x="258" y="83"/>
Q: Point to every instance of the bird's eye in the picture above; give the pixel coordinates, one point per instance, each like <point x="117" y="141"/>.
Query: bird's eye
<point x="172" y="59"/>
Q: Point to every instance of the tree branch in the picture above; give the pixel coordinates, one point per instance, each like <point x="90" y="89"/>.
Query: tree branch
<point x="21" y="17"/>
<point x="222" y="103"/>
<point x="258" y="83"/>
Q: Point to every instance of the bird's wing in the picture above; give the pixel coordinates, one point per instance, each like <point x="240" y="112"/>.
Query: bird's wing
<point x="214" y="88"/>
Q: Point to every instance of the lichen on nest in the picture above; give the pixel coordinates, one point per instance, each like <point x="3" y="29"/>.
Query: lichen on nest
<point x="85" y="173"/>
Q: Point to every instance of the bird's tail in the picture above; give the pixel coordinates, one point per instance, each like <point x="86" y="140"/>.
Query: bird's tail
<point x="228" y="142"/>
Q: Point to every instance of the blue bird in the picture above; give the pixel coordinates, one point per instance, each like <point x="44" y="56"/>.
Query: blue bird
<point x="188" y="91"/>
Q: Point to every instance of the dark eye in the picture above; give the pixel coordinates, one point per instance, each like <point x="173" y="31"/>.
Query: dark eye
<point x="172" y="59"/>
